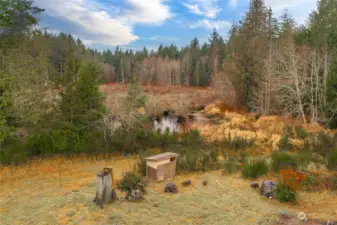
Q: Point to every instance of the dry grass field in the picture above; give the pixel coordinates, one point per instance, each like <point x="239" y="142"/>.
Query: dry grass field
<point x="36" y="194"/>
<point x="160" y="98"/>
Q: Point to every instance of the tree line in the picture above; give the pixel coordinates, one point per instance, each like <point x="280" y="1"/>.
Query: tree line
<point x="268" y="65"/>
<point x="189" y="65"/>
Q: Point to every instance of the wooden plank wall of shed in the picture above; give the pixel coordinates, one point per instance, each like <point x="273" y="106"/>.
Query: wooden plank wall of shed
<point x="151" y="173"/>
<point x="170" y="169"/>
<point x="161" y="172"/>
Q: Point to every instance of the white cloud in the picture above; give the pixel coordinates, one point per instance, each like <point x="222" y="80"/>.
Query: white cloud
<point x="207" y="8"/>
<point x="299" y="9"/>
<point x="95" y="21"/>
<point x="233" y="3"/>
<point x="163" y="38"/>
<point x="222" y="26"/>
<point x="147" y="11"/>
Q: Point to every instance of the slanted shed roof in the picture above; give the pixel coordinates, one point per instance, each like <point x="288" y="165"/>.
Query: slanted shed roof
<point x="162" y="156"/>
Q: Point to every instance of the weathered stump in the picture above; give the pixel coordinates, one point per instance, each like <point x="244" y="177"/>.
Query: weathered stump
<point x="104" y="192"/>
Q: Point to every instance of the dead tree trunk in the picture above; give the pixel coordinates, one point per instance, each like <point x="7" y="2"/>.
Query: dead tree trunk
<point x="105" y="192"/>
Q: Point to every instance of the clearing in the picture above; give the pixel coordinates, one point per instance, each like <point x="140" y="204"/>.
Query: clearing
<point x="33" y="195"/>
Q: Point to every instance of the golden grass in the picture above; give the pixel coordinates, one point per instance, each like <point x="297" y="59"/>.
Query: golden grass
<point x="32" y="195"/>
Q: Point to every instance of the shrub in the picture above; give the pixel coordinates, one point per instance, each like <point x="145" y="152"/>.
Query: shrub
<point x="14" y="152"/>
<point x="332" y="160"/>
<point x="39" y="144"/>
<point x="236" y="143"/>
<point x="188" y="161"/>
<point x="288" y="131"/>
<point x="161" y="140"/>
<point x="310" y="183"/>
<point x="283" y="160"/>
<point x="130" y="181"/>
<point x="231" y="166"/>
<point x="191" y="159"/>
<point x="330" y="182"/>
<point x="192" y="138"/>
<point x="284" y="144"/>
<point x="214" y="155"/>
<point x="254" y="169"/>
<point x="301" y="133"/>
<point x="243" y="157"/>
<point x="285" y="194"/>
<point x="303" y="158"/>
<point x="140" y="166"/>
<point x="209" y="160"/>
<point x="323" y="143"/>
<point x="330" y="111"/>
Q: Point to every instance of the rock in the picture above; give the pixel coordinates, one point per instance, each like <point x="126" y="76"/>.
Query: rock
<point x="302" y="216"/>
<point x="254" y="185"/>
<point x="204" y="183"/>
<point x="330" y="222"/>
<point x="171" y="187"/>
<point x="267" y="188"/>
<point x="134" y="195"/>
<point x="186" y="183"/>
<point x="283" y="212"/>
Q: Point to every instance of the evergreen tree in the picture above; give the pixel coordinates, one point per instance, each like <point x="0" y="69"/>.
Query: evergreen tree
<point x="17" y="15"/>
<point x="214" y="61"/>
<point x="251" y="48"/>
<point x="82" y="102"/>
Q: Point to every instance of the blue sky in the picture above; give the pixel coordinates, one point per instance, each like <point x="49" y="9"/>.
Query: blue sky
<point x="133" y="24"/>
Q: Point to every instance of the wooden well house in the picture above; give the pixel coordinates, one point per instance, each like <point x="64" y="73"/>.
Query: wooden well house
<point x="161" y="167"/>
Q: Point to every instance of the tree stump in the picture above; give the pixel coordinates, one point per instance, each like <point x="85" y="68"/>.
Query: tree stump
<point x="105" y="192"/>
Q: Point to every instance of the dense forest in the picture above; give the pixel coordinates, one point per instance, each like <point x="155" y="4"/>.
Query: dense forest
<point x="272" y="66"/>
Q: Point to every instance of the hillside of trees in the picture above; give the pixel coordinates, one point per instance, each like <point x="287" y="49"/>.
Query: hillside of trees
<point x="271" y="65"/>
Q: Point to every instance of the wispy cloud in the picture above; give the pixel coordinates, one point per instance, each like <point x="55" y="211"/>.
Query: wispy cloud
<point x="97" y="22"/>
<point x="206" y="8"/>
<point x="222" y="26"/>
<point x="233" y="3"/>
<point x="164" y="38"/>
<point x="299" y="9"/>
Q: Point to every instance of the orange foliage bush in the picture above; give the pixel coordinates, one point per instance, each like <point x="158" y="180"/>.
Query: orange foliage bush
<point x="292" y="178"/>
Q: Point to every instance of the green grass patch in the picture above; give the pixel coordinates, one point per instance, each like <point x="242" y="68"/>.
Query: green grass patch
<point x="281" y="160"/>
<point x="231" y="166"/>
<point x="236" y="143"/>
<point x="285" y="194"/>
<point x="301" y="133"/>
<point x="332" y="160"/>
<point x="284" y="144"/>
<point x="255" y="169"/>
